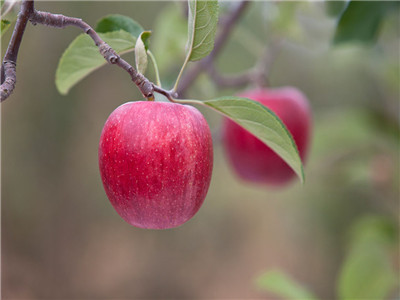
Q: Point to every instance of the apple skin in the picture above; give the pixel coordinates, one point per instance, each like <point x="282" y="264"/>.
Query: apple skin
<point x="252" y="160"/>
<point x="156" y="162"/>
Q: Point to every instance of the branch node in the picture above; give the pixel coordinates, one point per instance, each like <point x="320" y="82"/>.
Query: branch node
<point x="108" y="53"/>
<point x="10" y="80"/>
<point x="173" y="94"/>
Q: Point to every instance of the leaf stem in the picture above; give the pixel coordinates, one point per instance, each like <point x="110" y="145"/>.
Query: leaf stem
<point x="154" y="62"/>
<point x="180" y="74"/>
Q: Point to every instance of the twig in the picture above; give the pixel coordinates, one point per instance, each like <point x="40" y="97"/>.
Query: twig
<point x="60" y="21"/>
<point x="8" y="66"/>
<point x="227" y="27"/>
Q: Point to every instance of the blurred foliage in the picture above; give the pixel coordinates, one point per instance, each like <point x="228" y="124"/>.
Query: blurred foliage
<point x="281" y="285"/>
<point x="361" y="20"/>
<point x="62" y="239"/>
<point x="8" y="15"/>
<point x="368" y="270"/>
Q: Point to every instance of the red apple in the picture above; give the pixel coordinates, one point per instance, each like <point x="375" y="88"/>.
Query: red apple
<point x="155" y="162"/>
<point x="254" y="161"/>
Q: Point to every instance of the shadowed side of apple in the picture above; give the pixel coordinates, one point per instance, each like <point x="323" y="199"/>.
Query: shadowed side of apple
<point x="156" y="162"/>
<point x="251" y="159"/>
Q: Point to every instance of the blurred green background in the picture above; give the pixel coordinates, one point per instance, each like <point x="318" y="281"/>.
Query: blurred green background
<point x="61" y="238"/>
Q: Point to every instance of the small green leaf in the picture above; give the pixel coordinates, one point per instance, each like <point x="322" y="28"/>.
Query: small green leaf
<point x="82" y="57"/>
<point x="264" y="124"/>
<point x="141" y="47"/>
<point x="118" y="22"/>
<point x="202" y="25"/>
<point x="283" y="286"/>
<point x="362" y="20"/>
<point x="5" y="24"/>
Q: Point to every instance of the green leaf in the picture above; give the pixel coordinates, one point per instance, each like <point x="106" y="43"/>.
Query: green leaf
<point x="362" y="20"/>
<point x="5" y="24"/>
<point x="368" y="271"/>
<point x="264" y="124"/>
<point x="282" y="285"/>
<point x="141" y="47"/>
<point x="118" y="22"/>
<point x="145" y="37"/>
<point x="82" y="57"/>
<point x="202" y="25"/>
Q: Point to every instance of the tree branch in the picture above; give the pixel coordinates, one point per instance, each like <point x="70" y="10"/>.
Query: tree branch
<point x="8" y="66"/>
<point x="147" y="88"/>
<point x="60" y="21"/>
<point x="227" y="27"/>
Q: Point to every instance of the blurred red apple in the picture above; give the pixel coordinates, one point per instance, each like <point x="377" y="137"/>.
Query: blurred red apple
<point x="254" y="161"/>
<point x="155" y="162"/>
